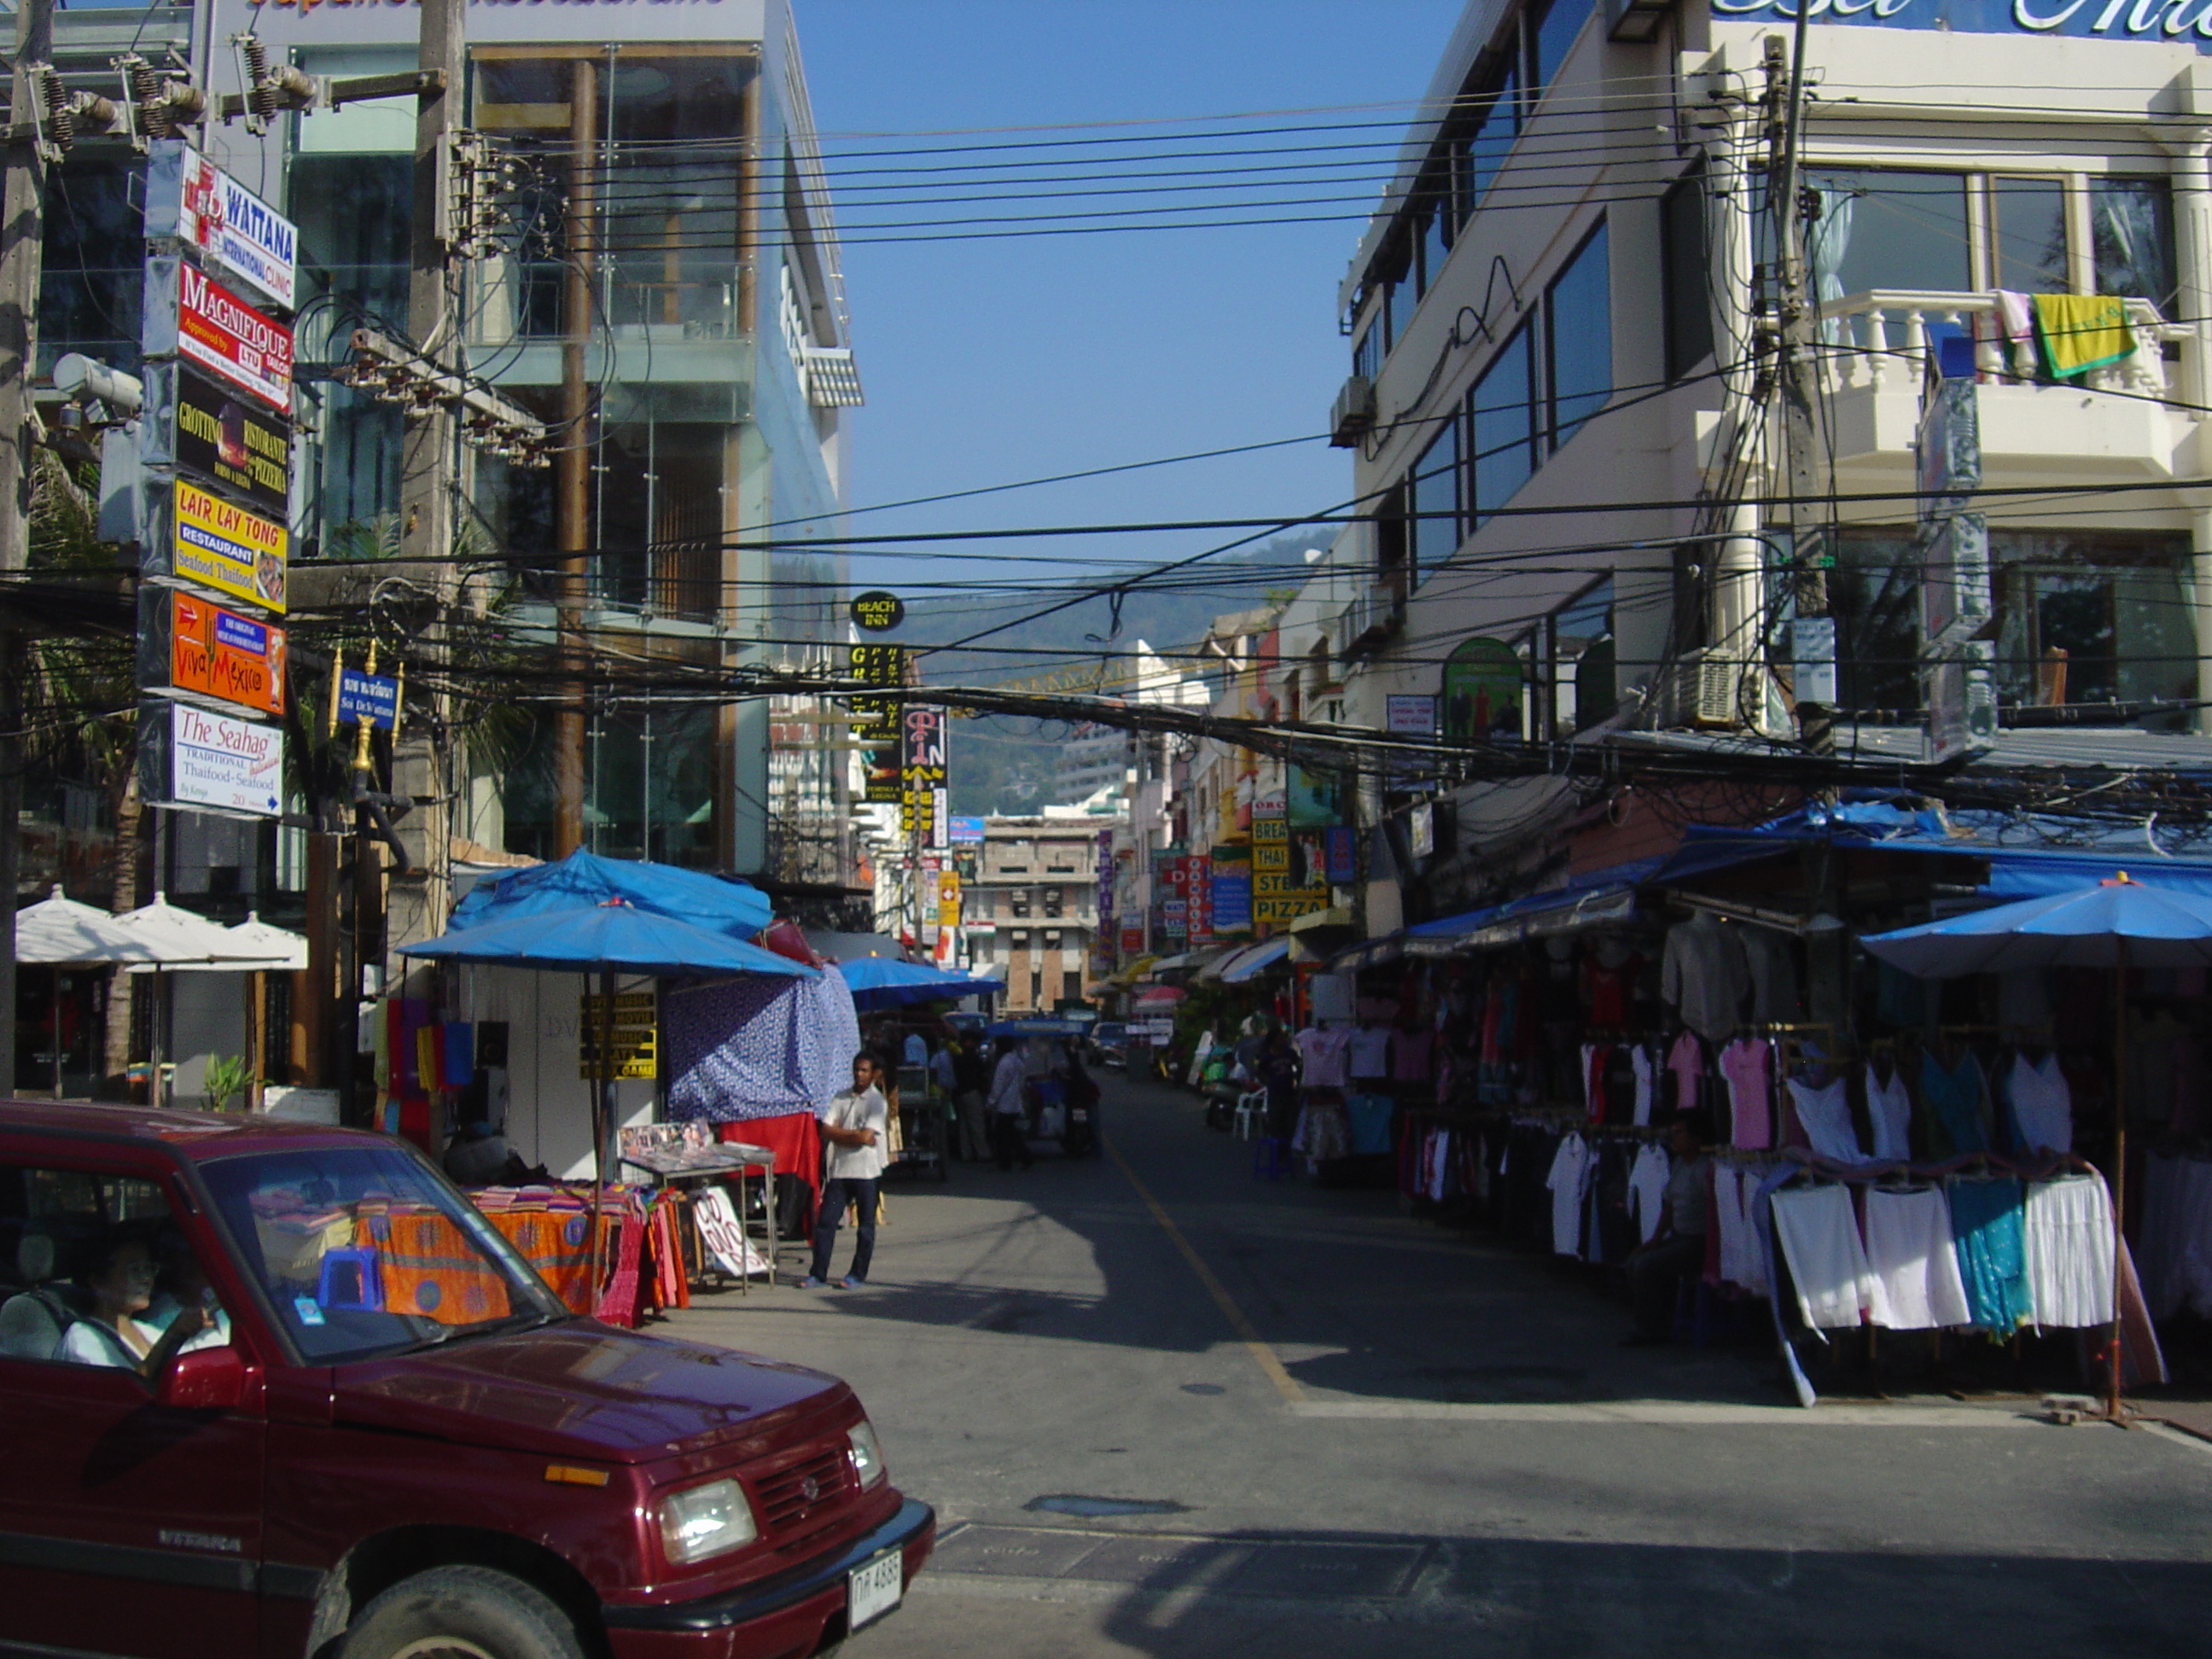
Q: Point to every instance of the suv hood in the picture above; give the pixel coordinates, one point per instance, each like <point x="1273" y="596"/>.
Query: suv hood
<point x="581" y="1390"/>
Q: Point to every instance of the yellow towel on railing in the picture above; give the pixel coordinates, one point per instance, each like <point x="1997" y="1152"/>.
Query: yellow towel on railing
<point x="2081" y="332"/>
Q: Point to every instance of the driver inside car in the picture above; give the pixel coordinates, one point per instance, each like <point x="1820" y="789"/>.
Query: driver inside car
<point x="118" y="1281"/>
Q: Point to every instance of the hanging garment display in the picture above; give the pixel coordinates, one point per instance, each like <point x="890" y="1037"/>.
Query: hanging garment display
<point x="1819" y="1235"/>
<point x="1702" y="973"/>
<point x="1771" y="962"/>
<point x="1985" y="1228"/>
<point x="1367" y="1052"/>
<point x="1913" y="1266"/>
<point x="2042" y="1104"/>
<point x="1889" y="1113"/>
<point x="1323" y="1055"/>
<point x="1740" y="1262"/>
<point x="1647" y="1186"/>
<point x="2066" y="1232"/>
<point x="1570" y="1171"/>
<point x="1954" y="1096"/>
<point x="1825" y="1114"/>
<point x="1686" y="1064"/>
<point x="1647" y="1083"/>
<point x="1748" y="1066"/>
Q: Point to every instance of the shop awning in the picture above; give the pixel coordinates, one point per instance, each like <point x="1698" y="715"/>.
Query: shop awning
<point x="1604" y="897"/>
<point x="1174" y="963"/>
<point x="1255" y="960"/>
<point x="1369" y="953"/>
<point x="1129" y="975"/>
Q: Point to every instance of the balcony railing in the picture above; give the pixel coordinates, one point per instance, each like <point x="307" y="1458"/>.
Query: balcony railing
<point x="1880" y="339"/>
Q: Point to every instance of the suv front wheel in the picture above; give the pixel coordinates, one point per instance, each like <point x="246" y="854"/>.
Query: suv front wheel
<point x="462" y="1613"/>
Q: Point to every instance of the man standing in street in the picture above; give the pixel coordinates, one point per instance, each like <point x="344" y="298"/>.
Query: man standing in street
<point x="855" y="1126"/>
<point x="1009" y="1107"/>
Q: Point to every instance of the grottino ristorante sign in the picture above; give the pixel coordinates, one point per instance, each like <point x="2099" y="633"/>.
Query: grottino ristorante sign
<point x="2175" y="20"/>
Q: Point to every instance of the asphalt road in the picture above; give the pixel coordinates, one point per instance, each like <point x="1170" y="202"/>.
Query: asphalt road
<point x="1165" y="1408"/>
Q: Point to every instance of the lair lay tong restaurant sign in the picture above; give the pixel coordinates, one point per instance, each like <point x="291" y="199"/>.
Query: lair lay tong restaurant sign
<point x="226" y="548"/>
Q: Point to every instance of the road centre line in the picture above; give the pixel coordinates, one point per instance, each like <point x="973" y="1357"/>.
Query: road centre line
<point x="1671" y="1413"/>
<point x="1262" y="1355"/>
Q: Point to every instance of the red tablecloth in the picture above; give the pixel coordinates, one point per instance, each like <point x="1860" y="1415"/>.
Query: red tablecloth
<point x="794" y="1138"/>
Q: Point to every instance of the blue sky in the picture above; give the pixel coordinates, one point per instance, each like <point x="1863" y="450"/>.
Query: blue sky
<point x="987" y="361"/>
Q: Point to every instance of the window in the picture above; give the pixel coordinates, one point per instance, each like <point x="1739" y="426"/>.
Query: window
<point x="99" y="1270"/>
<point x="1501" y="421"/>
<point x="1578" y="340"/>
<point x="1483" y="151"/>
<point x="2131" y="238"/>
<point x="2027" y="220"/>
<point x="1686" y="275"/>
<point x="1396" y="305"/>
<point x="1367" y="355"/>
<point x="1882" y="229"/>
<point x="2079" y="619"/>
<point x="1551" y="34"/>
<point x="1434" y="488"/>
<point x="1434" y="239"/>
<point x="1584" y="691"/>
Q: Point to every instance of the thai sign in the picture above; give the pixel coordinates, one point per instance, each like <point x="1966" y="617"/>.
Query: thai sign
<point x="225" y="547"/>
<point x="221" y="333"/>
<point x="222" y="440"/>
<point x="191" y="199"/>
<point x="371" y="699"/>
<point x="191" y="648"/>
<point x="194" y="757"/>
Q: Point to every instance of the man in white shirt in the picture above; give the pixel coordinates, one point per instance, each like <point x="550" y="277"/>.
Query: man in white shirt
<point x="855" y="1126"/>
<point x="1008" y="1106"/>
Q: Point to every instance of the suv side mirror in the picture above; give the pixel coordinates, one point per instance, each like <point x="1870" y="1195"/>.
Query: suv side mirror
<point x="211" y="1379"/>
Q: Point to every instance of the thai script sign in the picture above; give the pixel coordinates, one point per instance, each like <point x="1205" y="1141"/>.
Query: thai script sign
<point x="369" y="698"/>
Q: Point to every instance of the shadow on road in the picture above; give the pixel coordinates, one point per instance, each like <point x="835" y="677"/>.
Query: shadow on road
<point x="1296" y="1594"/>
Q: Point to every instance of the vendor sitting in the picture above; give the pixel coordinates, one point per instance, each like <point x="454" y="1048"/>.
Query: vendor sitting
<point x="1676" y="1252"/>
<point x="478" y="1156"/>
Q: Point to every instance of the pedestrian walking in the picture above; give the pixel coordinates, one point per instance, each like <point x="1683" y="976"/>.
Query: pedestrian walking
<point x="1009" y="1107"/>
<point x="856" y="1125"/>
<point x="971" y="1077"/>
<point x="1677" y="1251"/>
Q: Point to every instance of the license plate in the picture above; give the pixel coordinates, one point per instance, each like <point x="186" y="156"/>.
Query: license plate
<point x="873" y="1589"/>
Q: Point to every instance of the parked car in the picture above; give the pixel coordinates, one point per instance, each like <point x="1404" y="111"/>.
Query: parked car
<point x="1109" y="1042"/>
<point x="274" y="1387"/>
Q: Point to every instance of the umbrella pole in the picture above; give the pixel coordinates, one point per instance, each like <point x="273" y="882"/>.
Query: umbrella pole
<point x="602" y="1088"/>
<point x="56" y="1017"/>
<point x="2119" y="1167"/>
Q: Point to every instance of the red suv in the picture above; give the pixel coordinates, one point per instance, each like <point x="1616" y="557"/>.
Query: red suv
<point x="277" y="1390"/>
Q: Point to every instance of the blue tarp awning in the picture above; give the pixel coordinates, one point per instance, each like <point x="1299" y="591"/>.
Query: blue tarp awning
<point x="581" y="879"/>
<point x="880" y="982"/>
<point x="1255" y="960"/>
<point x="1607" y="895"/>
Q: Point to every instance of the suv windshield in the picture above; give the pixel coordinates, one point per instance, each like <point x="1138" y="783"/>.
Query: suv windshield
<point x="364" y="1250"/>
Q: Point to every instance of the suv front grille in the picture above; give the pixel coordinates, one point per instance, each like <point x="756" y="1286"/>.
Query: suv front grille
<point x="792" y="1500"/>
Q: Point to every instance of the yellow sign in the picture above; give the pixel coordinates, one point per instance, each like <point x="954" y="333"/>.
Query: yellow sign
<point x="948" y="898"/>
<point x="226" y="548"/>
<point x="634" y="1046"/>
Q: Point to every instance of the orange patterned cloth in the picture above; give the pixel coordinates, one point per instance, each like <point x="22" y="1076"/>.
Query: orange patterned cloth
<point x="427" y="1268"/>
<point x="558" y="1244"/>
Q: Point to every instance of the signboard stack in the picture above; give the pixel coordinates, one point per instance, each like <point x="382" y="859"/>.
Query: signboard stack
<point x="214" y="485"/>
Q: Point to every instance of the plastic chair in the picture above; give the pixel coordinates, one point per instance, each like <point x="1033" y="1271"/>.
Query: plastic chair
<point x="1251" y="1113"/>
<point x="1271" y="1159"/>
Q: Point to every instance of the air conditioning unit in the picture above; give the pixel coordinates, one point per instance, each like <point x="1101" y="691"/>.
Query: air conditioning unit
<point x="1706" y="690"/>
<point x="1370" y="620"/>
<point x="1354" y="414"/>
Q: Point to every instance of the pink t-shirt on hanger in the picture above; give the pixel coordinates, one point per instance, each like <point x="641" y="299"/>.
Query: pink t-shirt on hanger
<point x="1323" y="1054"/>
<point x="1687" y="1060"/>
<point x="1748" y="1066"/>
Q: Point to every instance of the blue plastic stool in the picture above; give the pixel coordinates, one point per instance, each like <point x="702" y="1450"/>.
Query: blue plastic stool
<point x="1694" y="1311"/>
<point x="1271" y="1158"/>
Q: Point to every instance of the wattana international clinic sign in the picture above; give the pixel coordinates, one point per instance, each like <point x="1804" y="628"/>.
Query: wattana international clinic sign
<point x="191" y="199"/>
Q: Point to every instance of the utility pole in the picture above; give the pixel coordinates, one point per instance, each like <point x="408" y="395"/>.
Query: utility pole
<point x="572" y="463"/>
<point x="22" y="216"/>
<point x="1814" y="632"/>
<point x="430" y="468"/>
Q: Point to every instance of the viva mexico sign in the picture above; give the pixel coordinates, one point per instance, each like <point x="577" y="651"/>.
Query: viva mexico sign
<point x="2107" y="19"/>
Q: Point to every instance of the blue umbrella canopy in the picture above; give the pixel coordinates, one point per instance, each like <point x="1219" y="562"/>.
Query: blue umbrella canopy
<point x="614" y="934"/>
<point x="881" y="982"/>
<point x="2114" y="922"/>
<point x="582" y="878"/>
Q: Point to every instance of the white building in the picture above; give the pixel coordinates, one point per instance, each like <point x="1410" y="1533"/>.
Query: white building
<point x="1561" y="408"/>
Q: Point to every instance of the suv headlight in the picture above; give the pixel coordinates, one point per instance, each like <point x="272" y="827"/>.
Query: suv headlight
<point x="867" y="1455"/>
<point x="709" y="1520"/>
